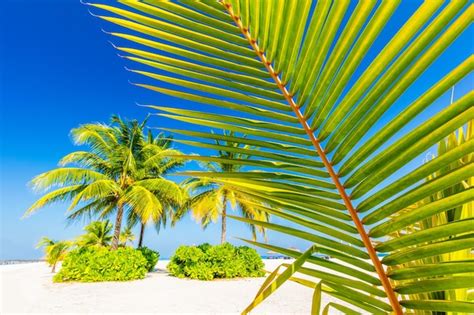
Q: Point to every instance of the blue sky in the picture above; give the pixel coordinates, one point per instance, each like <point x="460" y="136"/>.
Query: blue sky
<point x="57" y="70"/>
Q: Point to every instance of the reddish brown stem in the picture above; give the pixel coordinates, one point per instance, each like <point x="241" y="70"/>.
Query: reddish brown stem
<point x="342" y="191"/>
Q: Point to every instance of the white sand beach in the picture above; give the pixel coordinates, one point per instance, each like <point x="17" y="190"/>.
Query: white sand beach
<point x="28" y="288"/>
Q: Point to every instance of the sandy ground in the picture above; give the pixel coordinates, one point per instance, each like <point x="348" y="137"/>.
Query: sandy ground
<point x="28" y="288"/>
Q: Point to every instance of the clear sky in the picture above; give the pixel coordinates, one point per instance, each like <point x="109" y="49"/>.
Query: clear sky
<point x="57" y="70"/>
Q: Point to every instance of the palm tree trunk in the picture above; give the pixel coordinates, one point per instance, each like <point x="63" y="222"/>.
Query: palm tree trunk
<point x="142" y="232"/>
<point x="224" y="219"/>
<point x="118" y="226"/>
<point x="54" y="268"/>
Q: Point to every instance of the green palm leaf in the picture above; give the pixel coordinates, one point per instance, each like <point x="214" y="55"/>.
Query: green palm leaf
<point x="288" y="74"/>
<point x="97" y="234"/>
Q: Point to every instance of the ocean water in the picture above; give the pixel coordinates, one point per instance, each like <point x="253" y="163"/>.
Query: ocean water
<point x="18" y="261"/>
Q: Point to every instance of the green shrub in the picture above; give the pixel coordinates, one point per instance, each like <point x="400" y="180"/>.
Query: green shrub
<point x="252" y="261"/>
<point x="151" y="256"/>
<point x="185" y="257"/>
<point x="92" y="264"/>
<point x="206" y="262"/>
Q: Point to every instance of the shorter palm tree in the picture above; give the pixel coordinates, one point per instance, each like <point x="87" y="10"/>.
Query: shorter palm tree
<point x="126" y="236"/>
<point x="98" y="233"/>
<point x="211" y="198"/>
<point x="54" y="251"/>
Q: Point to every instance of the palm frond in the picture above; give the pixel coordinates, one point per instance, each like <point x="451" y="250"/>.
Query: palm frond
<point x="98" y="208"/>
<point x="64" y="177"/>
<point x="86" y="159"/>
<point x="99" y="189"/>
<point x="289" y="73"/>
<point x="98" y="233"/>
<point x="99" y="137"/>
<point x="143" y="202"/>
<point x="62" y="194"/>
<point x="165" y="189"/>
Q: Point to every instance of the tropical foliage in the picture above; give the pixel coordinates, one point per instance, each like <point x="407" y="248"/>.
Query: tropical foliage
<point x="210" y="198"/>
<point x="54" y="251"/>
<point x="92" y="264"/>
<point x="207" y="262"/>
<point x="460" y="215"/>
<point x="98" y="233"/>
<point x="126" y="236"/>
<point x="305" y="81"/>
<point x="151" y="257"/>
<point x="156" y="162"/>
<point x="119" y="173"/>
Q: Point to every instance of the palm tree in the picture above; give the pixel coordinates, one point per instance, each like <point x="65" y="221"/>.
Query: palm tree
<point x="213" y="196"/>
<point x="98" y="233"/>
<point x="127" y="236"/>
<point x="156" y="161"/>
<point x="54" y="251"/>
<point x="336" y="142"/>
<point x="108" y="178"/>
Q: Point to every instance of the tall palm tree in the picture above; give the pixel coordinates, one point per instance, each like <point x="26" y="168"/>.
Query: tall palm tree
<point x="317" y="86"/>
<point x="211" y="196"/>
<point x="107" y="179"/>
<point x="98" y="233"/>
<point x="54" y="251"/>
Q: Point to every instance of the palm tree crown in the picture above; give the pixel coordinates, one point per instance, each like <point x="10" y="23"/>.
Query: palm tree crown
<point x="98" y="233"/>
<point x="126" y="236"/>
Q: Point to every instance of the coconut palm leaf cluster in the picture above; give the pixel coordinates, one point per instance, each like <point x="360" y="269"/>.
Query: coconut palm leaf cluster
<point x="460" y="215"/>
<point x="98" y="233"/>
<point x="308" y="85"/>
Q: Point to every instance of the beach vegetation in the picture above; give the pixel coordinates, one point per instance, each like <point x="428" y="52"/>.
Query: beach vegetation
<point x="93" y="264"/>
<point x="210" y="198"/>
<point x="98" y="233"/>
<point x="338" y="105"/>
<point x="54" y="251"/>
<point x="126" y="236"/>
<point x="208" y="262"/>
<point x="158" y="161"/>
<point x="460" y="215"/>
<point x="151" y="257"/>
<point x="119" y="174"/>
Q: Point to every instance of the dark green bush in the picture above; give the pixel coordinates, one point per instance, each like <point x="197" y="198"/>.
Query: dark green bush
<point x="92" y="264"/>
<point x="151" y="256"/>
<point x="206" y="262"/>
